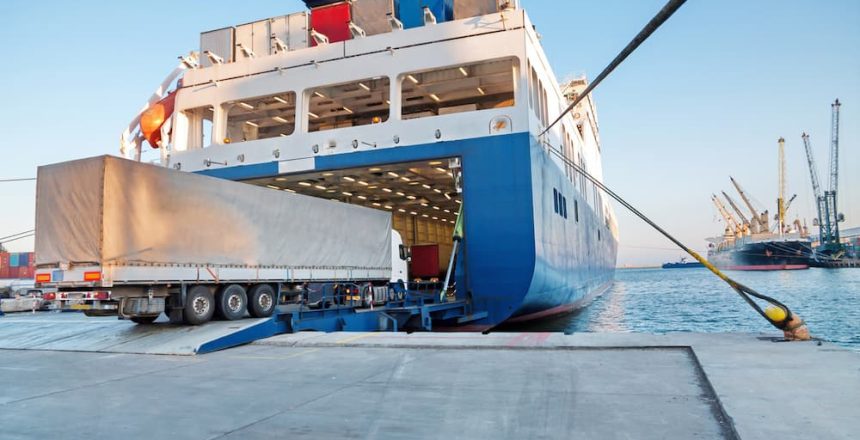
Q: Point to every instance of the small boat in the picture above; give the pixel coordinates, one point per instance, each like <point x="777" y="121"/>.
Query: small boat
<point x="683" y="264"/>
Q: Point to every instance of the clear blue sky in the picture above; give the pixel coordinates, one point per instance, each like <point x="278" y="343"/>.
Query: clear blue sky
<point x="707" y="96"/>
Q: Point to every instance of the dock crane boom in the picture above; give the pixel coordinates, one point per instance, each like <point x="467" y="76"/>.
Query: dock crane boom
<point x="828" y="215"/>
<point x="834" y="148"/>
<point x="780" y="202"/>
<point x="731" y="223"/>
<point x="746" y="223"/>
<point x="761" y="220"/>
<point x="834" y="217"/>
<point x="813" y="171"/>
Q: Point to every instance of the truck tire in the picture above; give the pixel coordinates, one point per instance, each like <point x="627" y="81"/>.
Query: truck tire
<point x="144" y="319"/>
<point x="261" y="301"/>
<point x="199" y="305"/>
<point x="231" y="302"/>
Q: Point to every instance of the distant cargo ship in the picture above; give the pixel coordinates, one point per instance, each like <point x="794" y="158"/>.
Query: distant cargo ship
<point x="750" y="253"/>
<point x="751" y="244"/>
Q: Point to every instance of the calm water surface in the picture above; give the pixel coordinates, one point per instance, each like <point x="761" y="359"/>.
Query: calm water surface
<point x="694" y="300"/>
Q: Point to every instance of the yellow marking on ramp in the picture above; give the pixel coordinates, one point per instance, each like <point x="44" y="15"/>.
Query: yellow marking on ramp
<point x="355" y="338"/>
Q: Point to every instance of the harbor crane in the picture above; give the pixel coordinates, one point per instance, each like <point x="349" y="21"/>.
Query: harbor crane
<point x="780" y="202"/>
<point x="760" y="221"/>
<point x="732" y="227"/>
<point x="828" y="215"/>
<point x="746" y="223"/>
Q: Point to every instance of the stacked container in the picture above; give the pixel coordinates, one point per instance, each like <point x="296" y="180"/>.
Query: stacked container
<point x="4" y="265"/>
<point x="17" y="265"/>
<point x="411" y="12"/>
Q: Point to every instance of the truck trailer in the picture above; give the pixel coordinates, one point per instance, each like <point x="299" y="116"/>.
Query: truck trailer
<point x="120" y="237"/>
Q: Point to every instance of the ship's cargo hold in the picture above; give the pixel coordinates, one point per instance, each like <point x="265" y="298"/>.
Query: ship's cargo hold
<point x="425" y="261"/>
<point x="411" y="12"/>
<point x="108" y="211"/>
<point x="332" y="21"/>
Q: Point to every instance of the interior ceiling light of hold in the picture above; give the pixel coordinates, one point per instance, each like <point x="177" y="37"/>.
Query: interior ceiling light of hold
<point x="423" y="189"/>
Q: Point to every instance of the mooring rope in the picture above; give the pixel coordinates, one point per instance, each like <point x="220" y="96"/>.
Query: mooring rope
<point x="744" y="291"/>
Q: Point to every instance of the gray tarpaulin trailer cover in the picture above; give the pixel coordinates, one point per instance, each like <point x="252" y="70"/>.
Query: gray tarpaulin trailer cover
<point x="116" y="212"/>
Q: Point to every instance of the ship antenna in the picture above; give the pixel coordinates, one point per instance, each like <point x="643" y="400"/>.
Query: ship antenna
<point x="778" y="314"/>
<point x="671" y="7"/>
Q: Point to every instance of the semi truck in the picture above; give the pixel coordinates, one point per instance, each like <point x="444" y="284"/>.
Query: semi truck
<point x="120" y="237"/>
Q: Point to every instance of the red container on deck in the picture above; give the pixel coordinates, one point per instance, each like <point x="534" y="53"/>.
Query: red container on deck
<point x="425" y="261"/>
<point x="332" y="21"/>
<point x="4" y="273"/>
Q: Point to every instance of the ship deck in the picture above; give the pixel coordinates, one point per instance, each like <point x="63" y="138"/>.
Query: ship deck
<point x="429" y="385"/>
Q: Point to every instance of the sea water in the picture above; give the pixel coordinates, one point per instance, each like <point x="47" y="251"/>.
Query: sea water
<point x="694" y="300"/>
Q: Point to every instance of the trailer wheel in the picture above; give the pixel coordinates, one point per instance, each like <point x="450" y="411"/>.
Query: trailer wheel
<point x="144" y="319"/>
<point x="199" y="305"/>
<point x="261" y="301"/>
<point x="232" y="302"/>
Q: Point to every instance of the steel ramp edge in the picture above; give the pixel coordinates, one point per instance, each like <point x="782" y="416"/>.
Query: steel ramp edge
<point x="261" y="329"/>
<point x="74" y="332"/>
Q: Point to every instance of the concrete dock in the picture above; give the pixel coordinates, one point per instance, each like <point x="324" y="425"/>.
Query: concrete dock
<point x="432" y="385"/>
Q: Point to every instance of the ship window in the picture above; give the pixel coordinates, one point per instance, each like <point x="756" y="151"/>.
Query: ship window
<point x="199" y="126"/>
<point x="564" y="206"/>
<point x="352" y="104"/>
<point x="535" y="102"/>
<point x="261" y="118"/>
<point x="555" y="199"/>
<point x="540" y="103"/>
<point x="576" y="210"/>
<point x="458" y="89"/>
<point x="530" y="75"/>
<point x="544" y="107"/>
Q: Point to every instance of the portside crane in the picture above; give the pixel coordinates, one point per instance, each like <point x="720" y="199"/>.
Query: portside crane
<point x="760" y="221"/>
<point x="780" y="202"/>
<point x="813" y="176"/>
<point x="828" y="215"/>
<point x="746" y="223"/>
<point x="732" y="227"/>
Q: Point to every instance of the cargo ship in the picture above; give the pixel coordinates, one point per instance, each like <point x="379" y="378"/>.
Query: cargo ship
<point x="749" y="253"/>
<point x="428" y="110"/>
<point x="750" y="242"/>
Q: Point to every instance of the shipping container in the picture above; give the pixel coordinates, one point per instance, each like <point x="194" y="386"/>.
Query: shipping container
<point x="332" y="21"/>
<point x="474" y="8"/>
<point x="425" y="261"/>
<point x="13" y="260"/>
<point x="411" y="12"/>
<point x="372" y="16"/>
<point x="26" y="272"/>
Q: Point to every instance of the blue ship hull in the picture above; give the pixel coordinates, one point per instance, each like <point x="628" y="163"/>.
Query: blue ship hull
<point x="520" y="259"/>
